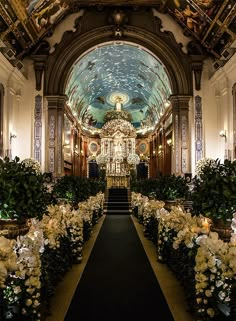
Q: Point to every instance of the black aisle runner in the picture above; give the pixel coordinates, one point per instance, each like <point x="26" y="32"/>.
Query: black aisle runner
<point x="118" y="283"/>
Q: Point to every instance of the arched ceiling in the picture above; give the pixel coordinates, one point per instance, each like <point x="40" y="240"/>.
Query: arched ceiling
<point x="24" y="23"/>
<point x="118" y="71"/>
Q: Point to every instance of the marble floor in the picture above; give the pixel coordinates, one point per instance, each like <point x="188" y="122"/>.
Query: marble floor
<point x="171" y="288"/>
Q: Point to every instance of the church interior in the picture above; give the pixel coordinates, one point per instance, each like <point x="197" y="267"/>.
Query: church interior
<point x="104" y="105"/>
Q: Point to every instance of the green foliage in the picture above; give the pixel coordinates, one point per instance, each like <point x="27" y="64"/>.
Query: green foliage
<point x="167" y="187"/>
<point x="214" y="192"/>
<point x="145" y="186"/>
<point x="114" y="114"/>
<point x="55" y="263"/>
<point x="22" y="191"/>
<point x="102" y="174"/>
<point x="76" y="189"/>
<point x="171" y="187"/>
<point x="133" y="180"/>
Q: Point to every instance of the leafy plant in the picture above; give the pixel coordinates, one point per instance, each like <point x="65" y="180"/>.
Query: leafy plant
<point x="214" y="192"/>
<point x="171" y="187"/>
<point x="167" y="187"/>
<point x="76" y="189"/>
<point x="22" y="191"/>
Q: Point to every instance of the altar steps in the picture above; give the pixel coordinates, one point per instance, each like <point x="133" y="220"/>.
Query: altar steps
<point x="117" y="202"/>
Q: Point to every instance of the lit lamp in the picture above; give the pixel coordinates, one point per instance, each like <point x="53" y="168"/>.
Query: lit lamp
<point x="222" y="133"/>
<point x="169" y="141"/>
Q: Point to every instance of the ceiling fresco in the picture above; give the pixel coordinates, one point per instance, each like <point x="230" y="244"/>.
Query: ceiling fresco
<point x="212" y="22"/>
<point x="121" y="73"/>
<point x="23" y="23"/>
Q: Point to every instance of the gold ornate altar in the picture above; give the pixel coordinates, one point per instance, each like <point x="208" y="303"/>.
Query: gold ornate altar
<point x="118" y="181"/>
<point x="118" y="152"/>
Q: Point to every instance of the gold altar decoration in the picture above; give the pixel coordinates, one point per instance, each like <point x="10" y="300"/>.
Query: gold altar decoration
<point x="118" y="152"/>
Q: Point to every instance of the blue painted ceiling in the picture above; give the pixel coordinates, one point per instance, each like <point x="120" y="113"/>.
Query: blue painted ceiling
<point x="118" y="70"/>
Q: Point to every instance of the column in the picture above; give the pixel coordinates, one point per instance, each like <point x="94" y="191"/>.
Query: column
<point x="182" y="148"/>
<point x="55" y="130"/>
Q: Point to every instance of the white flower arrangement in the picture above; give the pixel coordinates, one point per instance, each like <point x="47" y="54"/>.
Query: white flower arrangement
<point x="139" y="200"/>
<point x="74" y="227"/>
<point x="8" y="259"/>
<point x="179" y="227"/>
<point x="133" y="159"/>
<point x="102" y="159"/>
<point x="21" y="258"/>
<point x="203" y="163"/>
<point x="215" y="260"/>
<point x="25" y="285"/>
<point x="30" y="162"/>
<point x="215" y="268"/>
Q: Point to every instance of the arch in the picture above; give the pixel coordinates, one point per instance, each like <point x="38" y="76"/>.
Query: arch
<point x="161" y="44"/>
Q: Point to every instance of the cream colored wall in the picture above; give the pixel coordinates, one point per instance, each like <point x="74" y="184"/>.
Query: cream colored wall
<point x="18" y="107"/>
<point x="221" y="84"/>
<point x="217" y="110"/>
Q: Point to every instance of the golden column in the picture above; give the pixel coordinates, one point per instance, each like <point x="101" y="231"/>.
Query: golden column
<point x="181" y="150"/>
<point x="54" y="135"/>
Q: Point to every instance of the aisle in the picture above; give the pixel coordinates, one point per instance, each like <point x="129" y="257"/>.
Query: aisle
<point x="118" y="283"/>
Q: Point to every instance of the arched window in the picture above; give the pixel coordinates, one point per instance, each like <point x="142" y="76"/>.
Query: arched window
<point x="1" y="119"/>
<point x="234" y="120"/>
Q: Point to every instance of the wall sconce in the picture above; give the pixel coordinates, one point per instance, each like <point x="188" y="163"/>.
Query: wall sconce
<point x="67" y="143"/>
<point x="222" y="133"/>
<point x="169" y="141"/>
<point x="12" y="136"/>
<point x="160" y="149"/>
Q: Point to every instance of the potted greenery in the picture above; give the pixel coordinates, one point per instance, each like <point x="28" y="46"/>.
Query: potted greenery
<point x="171" y="188"/>
<point x="23" y="194"/>
<point x="75" y="189"/>
<point x="214" y="192"/>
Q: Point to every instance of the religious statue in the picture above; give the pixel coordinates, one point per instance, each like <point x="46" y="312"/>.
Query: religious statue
<point x="118" y="102"/>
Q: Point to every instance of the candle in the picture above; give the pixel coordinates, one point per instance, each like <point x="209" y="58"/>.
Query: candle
<point x="205" y="224"/>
